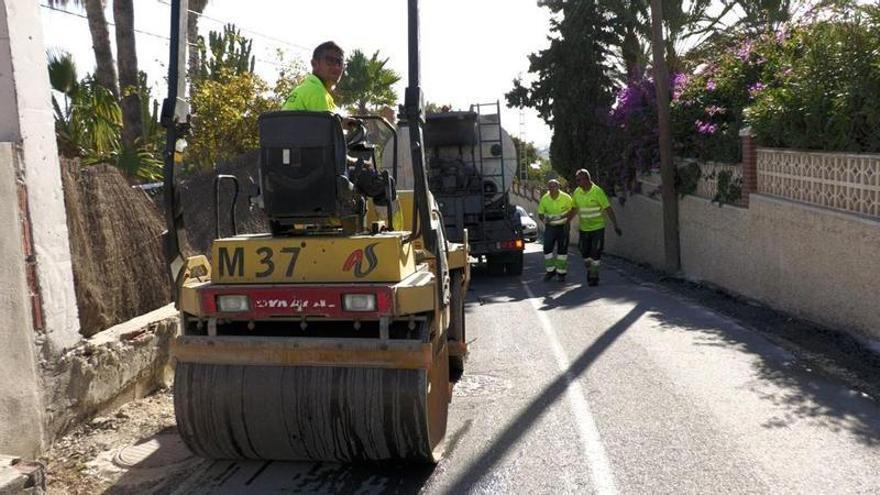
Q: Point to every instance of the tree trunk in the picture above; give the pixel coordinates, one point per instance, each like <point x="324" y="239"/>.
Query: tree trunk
<point x="667" y="167"/>
<point x="132" y="123"/>
<point x="105" y="73"/>
<point x="196" y="8"/>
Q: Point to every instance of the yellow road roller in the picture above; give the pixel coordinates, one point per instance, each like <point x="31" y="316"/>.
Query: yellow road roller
<point x="338" y="334"/>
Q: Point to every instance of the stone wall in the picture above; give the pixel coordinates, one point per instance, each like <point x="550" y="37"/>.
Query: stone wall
<point x="123" y="363"/>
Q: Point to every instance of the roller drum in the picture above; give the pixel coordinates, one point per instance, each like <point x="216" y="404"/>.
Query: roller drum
<point x="319" y="413"/>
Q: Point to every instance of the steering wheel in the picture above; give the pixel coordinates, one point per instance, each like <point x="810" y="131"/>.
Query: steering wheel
<point x="357" y="134"/>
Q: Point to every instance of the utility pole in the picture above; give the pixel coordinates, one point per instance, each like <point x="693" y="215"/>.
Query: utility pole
<point x="667" y="168"/>
<point x="523" y="166"/>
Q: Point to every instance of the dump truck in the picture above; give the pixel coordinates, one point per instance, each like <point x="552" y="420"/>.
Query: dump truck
<point x="338" y="334"/>
<point x="471" y="163"/>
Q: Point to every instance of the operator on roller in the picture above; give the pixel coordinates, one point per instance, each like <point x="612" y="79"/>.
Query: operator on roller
<point x="313" y="93"/>
<point x="591" y="206"/>
<point x="554" y="210"/>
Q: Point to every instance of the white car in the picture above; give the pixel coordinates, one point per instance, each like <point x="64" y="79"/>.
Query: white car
<point x="529" y="226"/>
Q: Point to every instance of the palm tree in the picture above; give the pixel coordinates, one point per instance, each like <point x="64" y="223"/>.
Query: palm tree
<point x="367" y="83"/>
<point x="105" y="73"/>
<point x="132" y="121"/>
<point x="634" y="56"/>
<point x="88" y="125"/>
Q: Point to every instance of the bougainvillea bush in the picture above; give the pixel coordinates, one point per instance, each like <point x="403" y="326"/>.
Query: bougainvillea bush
<point x="808" y="85"/>
<point x="812" y="85"/>
<point x="708" y="103"/>
<point x="826" y="91"/>
<point x="635" y="137"/>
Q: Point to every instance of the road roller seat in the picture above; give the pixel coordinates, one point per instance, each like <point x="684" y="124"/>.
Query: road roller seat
<point x="303" y="172"/>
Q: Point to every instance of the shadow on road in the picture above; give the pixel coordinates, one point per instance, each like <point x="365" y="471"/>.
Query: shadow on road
<point x="571" y="294"/>
<point x="803" y="393"/>
<point x="201" y="476"/>
<point x="493" y="453"/>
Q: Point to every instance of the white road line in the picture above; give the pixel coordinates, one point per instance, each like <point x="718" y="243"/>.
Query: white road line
<point x="591" y="442"/>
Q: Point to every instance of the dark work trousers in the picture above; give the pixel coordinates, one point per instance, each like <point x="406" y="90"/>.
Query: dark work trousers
<point x="591" y="244"/>
<point x="556" y="248"/>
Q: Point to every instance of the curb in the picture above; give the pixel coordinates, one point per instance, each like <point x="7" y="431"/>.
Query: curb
<point x="18" y="477"/>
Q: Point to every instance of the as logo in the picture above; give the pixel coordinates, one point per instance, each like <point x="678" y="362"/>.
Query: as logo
<point x="356" y="260"/>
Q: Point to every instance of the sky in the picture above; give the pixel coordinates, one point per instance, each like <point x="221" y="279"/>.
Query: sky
<point x="471" y="50"/>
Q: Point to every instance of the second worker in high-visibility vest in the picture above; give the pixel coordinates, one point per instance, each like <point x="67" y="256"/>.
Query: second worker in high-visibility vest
<point x="591" y="206"/>
<point x="553" y="210"/>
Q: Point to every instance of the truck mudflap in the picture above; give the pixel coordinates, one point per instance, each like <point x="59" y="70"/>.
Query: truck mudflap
<point x="512" y="246"/>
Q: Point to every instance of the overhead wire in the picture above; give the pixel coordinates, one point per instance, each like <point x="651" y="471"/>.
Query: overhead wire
<point x="243" y="29"/>
<point x="83" y="16"/>
<point x="166" y="38"/>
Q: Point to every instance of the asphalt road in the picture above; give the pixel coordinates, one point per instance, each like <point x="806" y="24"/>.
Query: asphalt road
<point x="621" y="388"/>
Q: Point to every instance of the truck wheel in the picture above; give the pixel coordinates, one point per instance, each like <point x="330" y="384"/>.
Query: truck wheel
<point x="515" y="267"/>
<point x="457" y="330"/>
<point x="494" y="265"/>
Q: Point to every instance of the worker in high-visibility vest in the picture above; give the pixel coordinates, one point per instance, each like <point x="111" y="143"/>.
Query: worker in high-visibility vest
<point x="553" y="211"/>
<point x="591" y="206"/>
<point x="313" y="94"/>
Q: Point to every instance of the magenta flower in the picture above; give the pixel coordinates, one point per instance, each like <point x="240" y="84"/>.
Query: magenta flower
<point x="679" y="81"/>
<point x="710" y="85"/>
<point x="715" y="110"/>
<point x="782" y="34"/>
<point x="705" y="127"/>
<point x="745" y="50"/>
<point x="756" y="88"/>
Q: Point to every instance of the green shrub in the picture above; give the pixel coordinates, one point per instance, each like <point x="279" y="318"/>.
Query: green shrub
<point x="827" y="95"/>
<point x="814" y="85"/>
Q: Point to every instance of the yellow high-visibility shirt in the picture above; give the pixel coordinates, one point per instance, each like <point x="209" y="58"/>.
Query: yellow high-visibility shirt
<point x="555" y="209"/>
<point x="310" y="96"/>
<point x="590" y="205"/>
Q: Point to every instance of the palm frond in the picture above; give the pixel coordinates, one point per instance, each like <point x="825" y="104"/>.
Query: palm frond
<point x="62" y="71"/>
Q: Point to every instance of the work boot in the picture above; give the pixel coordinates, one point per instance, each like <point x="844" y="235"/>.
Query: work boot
<point x="561" y="277"/>
<point x="549" y="275"/>
<point x="593" y="273"/>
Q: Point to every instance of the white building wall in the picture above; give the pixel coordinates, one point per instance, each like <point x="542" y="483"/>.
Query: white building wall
<point x="26" y="108"/>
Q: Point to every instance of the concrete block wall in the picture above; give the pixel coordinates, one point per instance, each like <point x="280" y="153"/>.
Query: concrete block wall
<point x="817" y="263"/>
<point x="813" y="262"/>
<point x="715" y="243"/>
<point x="641" y="219"/>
